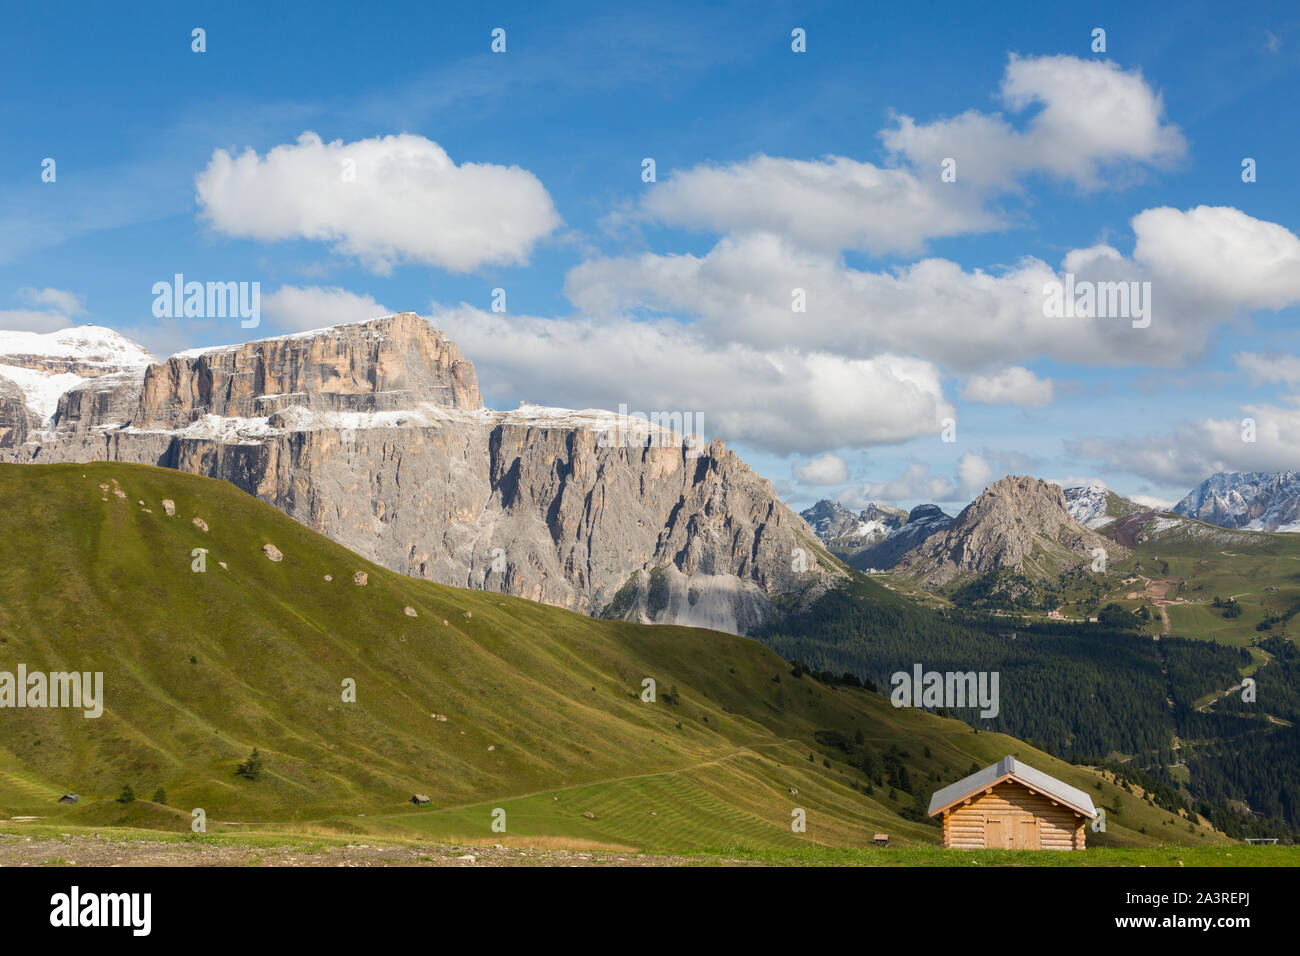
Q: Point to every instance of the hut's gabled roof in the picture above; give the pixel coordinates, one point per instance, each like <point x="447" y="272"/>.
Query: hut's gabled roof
<point x="1009" y="768"/>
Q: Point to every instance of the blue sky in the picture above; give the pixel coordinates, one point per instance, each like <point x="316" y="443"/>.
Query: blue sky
<point x="922" y="295"/>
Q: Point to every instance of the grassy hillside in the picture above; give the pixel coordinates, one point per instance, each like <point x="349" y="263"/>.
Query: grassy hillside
<point x="1190" y="563"/>
<point x="542" y="707"/>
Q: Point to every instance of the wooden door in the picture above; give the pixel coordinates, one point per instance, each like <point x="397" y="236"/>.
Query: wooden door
<point x="995" y="833"/>
<point x="1030" y="835"/>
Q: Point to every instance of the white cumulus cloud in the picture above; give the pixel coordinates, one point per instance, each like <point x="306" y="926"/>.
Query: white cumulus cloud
<point x="742" y="290"/>
<point x="301" y="309"/>
<point x="1016" y="386"/>
<point x="917" y="482"/>
<point x="1264" y="438"/>
<point x="825" y="469"/>
<point x="831" y="204"/>
<point x="407" y="202"/>
<point x="1094" y="122"/>
<point x="51" y="310"/>
<point x="1270" y="368"/>
<point x="778" y="399"/>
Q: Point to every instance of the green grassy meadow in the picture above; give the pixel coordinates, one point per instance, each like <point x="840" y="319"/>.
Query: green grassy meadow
<point x="544" y="717"/>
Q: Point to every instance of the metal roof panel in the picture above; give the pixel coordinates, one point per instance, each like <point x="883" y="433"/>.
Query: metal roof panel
<point x="1025" y="774"/>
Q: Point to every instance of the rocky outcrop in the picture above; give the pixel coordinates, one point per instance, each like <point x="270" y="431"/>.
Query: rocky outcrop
<point x="108" y="401"/>
<point x="374" y="434"/>
<point x="1017" y="524"/>
<point x="16" y="419"/>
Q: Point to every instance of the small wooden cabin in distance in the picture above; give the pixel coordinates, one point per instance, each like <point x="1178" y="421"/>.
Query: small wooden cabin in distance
<point x="1012" y="806"/>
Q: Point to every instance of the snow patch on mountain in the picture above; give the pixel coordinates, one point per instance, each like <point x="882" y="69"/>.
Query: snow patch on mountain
<point x="1089" y="505"/>
<point x="41" y="390"/>
<point x="47" y="365"/>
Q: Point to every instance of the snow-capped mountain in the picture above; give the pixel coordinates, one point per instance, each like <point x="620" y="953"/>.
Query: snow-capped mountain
<point x="846" y="533"/>
<point x="43" y="367"/>
<point x="1253" y="501"/>
<point x="922" y="522"/>
<point x="1090" y="505"/>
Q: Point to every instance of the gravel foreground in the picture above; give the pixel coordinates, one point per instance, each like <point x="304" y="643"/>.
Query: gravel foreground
<point x="83" y="850"/>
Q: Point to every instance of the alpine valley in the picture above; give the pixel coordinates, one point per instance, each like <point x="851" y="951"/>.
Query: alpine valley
<point x="486" y="574"/>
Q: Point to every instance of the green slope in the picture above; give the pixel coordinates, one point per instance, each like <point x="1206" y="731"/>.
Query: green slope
<point x="543" y="711"/>
<point x="1200" y="561"/>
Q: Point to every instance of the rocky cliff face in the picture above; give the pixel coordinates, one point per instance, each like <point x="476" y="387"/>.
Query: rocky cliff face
<point x="108" y="401"/>
<point x="391" y="363"/>
<point x="375" y="435"/>
<point x="16" y="419"/>
<point x="1018" y="524"/>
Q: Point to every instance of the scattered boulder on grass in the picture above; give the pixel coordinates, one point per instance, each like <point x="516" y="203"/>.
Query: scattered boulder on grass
<point x="360" y="579"/>
<point x="223" y="565"/>
<point x="446" y="623"/>
<point x="420" y="800"/>
<point x="588" y="814"/>
<point x="441" y="718"/>
<point x="469" y="614"/>
<point x="329" y="577"/>
<point x="169" y="507"/>
<point x="272" y="552"/>
<point x="409" y="612"/>
<point x="200" y="524"/>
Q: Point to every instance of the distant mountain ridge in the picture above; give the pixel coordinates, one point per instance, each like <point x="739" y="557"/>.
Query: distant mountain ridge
<point x="922" y="523"/>
<point x="845" y="533"/>
<point x="1249" y="501"/>
<point x="1018" y="523"/>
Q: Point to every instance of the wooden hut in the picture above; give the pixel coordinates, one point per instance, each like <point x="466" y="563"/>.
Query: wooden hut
<point x="1012" y="806"/>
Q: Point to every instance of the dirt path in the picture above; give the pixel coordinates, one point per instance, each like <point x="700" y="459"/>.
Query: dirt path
<point x="1218" y="696"/>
